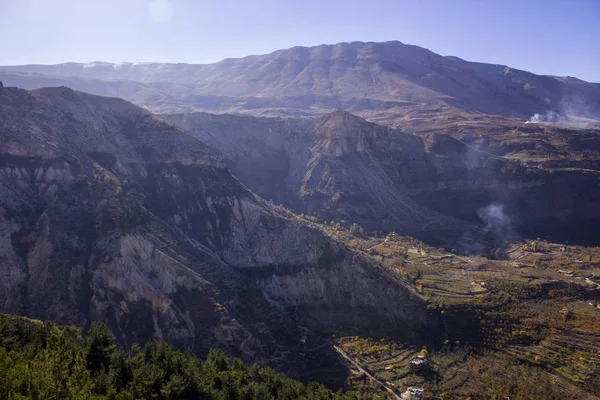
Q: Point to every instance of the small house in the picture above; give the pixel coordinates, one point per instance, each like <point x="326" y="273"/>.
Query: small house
<point x="418" y="364"/>
<point x="413" y="393"/>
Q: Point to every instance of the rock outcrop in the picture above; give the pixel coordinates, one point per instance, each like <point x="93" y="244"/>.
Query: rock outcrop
<point x="338" y="167"/>
<point x="436" y="187"/>
<point x="109" y="213"/>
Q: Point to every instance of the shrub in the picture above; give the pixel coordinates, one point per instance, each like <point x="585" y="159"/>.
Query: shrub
<point x="357" y="230"/>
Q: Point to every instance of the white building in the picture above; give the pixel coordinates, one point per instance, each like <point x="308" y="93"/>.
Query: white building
<point x="413" y="393"/>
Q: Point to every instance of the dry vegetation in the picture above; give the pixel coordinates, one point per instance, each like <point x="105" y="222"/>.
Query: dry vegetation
<point x="509" y="327"/>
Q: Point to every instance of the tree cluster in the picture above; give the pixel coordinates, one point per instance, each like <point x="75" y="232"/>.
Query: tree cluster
<point x="45" y="361"/>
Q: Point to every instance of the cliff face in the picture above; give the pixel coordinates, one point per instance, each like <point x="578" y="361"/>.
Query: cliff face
<point x="338" y="167"/>
<point x="435" y="187"/>
<point x="108" y="212"/>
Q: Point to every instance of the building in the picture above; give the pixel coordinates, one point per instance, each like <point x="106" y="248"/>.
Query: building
<point x="413" y="393"/>
<point x="418" y="364"/>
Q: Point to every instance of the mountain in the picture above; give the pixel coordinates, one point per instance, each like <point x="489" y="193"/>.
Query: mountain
<point x="408" y="88"/>
<point x="389" y="82"/>
<point x="337" y="167"/>
<point x="434" y="187"/>
<point x="156" y="224"/>
<point x="107" y="212"/>
<point x="262" y="234"/>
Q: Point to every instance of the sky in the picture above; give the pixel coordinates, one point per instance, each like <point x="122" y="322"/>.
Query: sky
<point x="555" y="37"/>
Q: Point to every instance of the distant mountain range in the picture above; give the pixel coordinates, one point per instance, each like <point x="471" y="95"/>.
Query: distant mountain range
<point x="388" y="82"/>
<point x="474" y="147"/>
<point x="352" y="199"/>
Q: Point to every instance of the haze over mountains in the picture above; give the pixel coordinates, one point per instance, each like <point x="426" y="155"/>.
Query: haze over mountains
<point x="388" y="81"/>
<point x="340" y="166"/>
<point x="107" y="212"/>
<point x="474" y="150"/>
<point x="131" y="194"/>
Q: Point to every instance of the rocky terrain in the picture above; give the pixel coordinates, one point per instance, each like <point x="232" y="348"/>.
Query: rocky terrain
<point x="339" y="167"/>
<point x="543" y="175"/>
<point x="279" y="234"/>
<point x="432" y="186"/>
<point x="109" y="213"/>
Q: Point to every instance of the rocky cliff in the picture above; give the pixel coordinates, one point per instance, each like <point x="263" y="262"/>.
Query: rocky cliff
<point x="432" y="186"/>
<point x="108" y="212"/>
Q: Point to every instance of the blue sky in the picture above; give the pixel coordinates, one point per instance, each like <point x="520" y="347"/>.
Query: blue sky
<point x="558" y="37"/>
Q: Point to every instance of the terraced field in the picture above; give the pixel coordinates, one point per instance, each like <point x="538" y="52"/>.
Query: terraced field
<point x="523" y="326"/>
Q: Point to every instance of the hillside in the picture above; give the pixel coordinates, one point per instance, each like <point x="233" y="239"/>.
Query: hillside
<point x="371" y="216"/>
<point x="41" y="360"/>
<point x="109" y="213"/>
<point x="509" y="324"/>
<point x="339" y="167"/>
<point x="388" y="81"/>
<point x="431" y="186"/>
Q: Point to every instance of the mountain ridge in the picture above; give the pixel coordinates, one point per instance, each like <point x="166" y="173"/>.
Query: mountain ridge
<point x="110" y="213"/>
<point x="339" y="166"/>
<point x="387" y="82"/>
<point x="231" y="59"/>
<point x="177" y="226"/>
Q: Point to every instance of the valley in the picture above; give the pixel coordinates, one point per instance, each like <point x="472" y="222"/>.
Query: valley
<point x="507" y="325"/>
<point x="430" y="185"/>
<point x="371" y="216"/>
<point x="109" y="213"/>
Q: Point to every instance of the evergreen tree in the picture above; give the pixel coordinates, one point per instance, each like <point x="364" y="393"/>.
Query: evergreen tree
<point x="45" y="361"/>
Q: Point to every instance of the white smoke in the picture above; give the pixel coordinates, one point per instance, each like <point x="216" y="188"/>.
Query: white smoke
<point x="552" y="117"/>
<point x="496" y="234"/>
<point x="474" y="156"/>
<point x="496" y="221"/>
<point x="571" y="111"/>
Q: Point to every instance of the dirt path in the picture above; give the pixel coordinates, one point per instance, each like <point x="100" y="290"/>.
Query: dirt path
<point x="376" y="244"/>
<point x="364" y="371"/>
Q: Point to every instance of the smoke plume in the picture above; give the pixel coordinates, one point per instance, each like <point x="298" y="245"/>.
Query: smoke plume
<point x="574" y="112"/>
<point x="497" y="223"/>
<point x="552" y="116"/>
<point x="472" y="159"/>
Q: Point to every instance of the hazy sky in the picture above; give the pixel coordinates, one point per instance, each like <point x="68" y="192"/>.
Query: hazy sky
<point x="559" y="37"/>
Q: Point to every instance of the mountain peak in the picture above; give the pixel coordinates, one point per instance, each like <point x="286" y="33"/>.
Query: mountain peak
<point x="398" y="82"/>
<point x="341" y="123"/>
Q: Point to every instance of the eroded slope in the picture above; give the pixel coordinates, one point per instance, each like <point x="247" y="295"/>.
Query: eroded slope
<point x="108" y="212"/>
